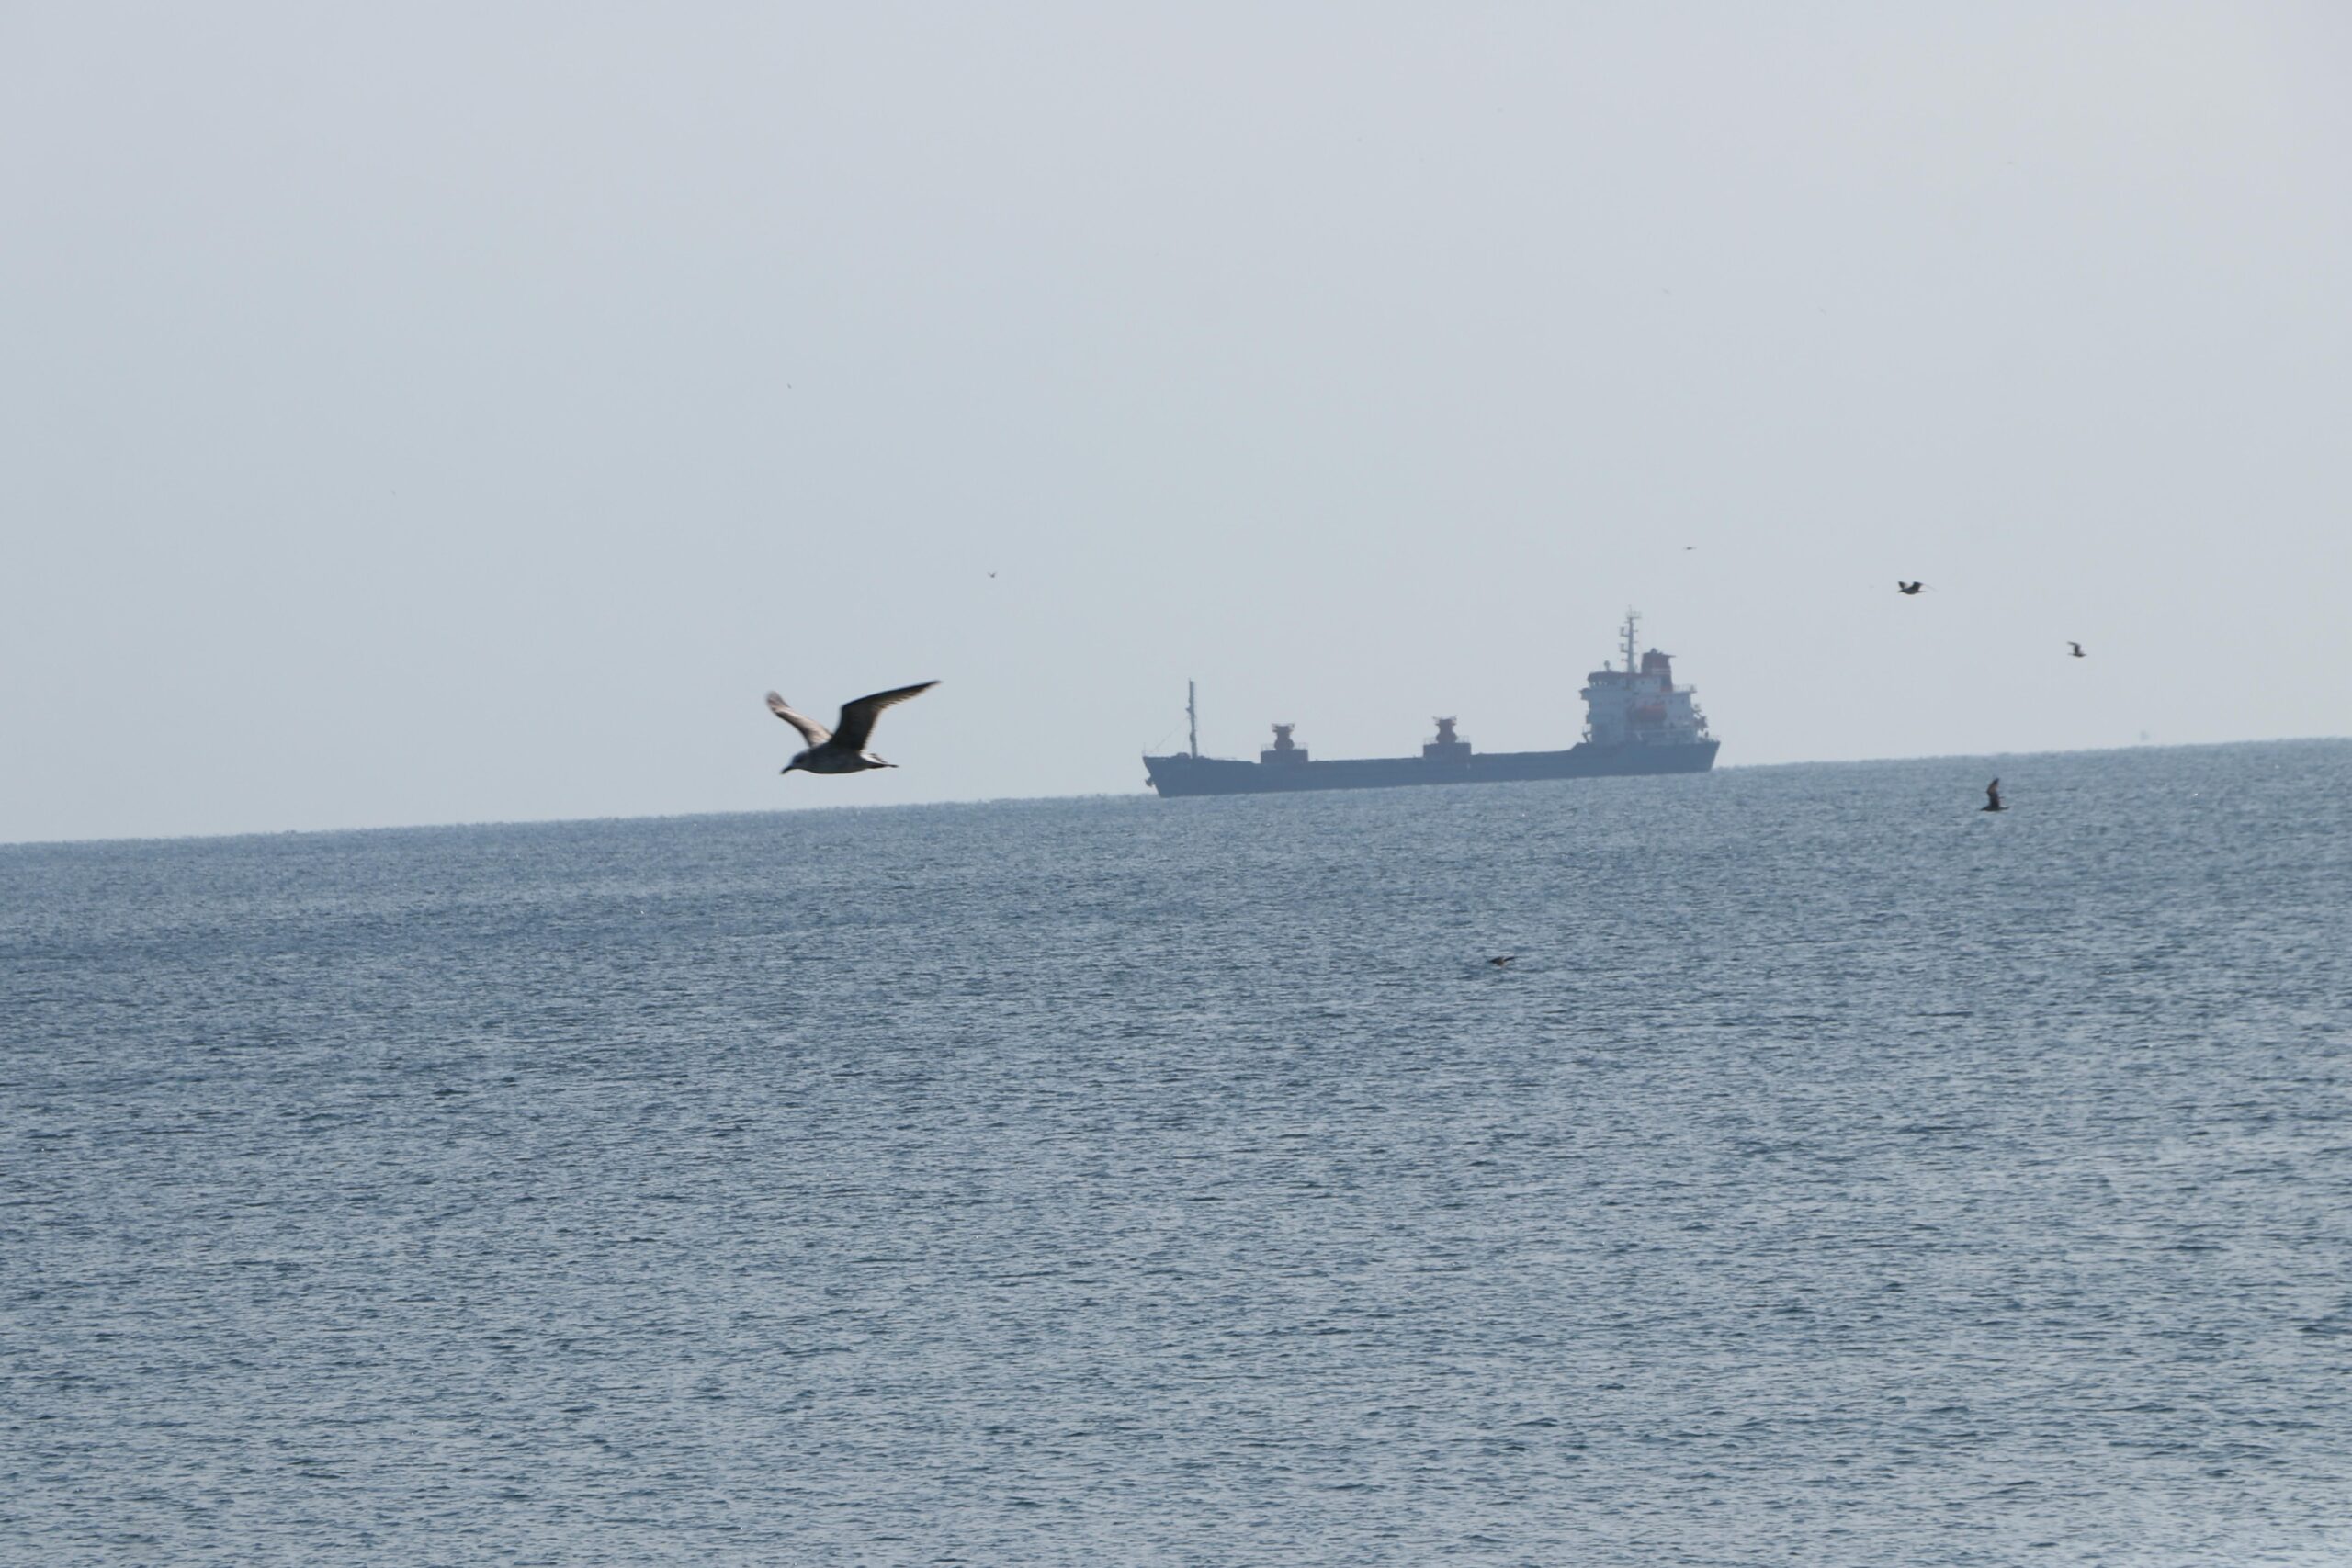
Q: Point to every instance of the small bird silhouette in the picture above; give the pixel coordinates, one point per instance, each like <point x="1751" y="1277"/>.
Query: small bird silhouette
<point x="1907" y="588"/>
<point x="1503" y="962"/>
<point x="842" y="750"/>
<point x="1993" y="797"/>
<point x="2078" y="649"/>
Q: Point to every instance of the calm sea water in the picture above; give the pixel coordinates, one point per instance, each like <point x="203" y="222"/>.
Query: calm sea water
<point x="1839" y="1176"/>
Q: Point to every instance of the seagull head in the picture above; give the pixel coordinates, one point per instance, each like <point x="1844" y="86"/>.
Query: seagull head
<point x="799" y="760"/>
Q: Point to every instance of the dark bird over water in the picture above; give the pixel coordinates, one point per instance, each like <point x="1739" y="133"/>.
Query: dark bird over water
<point x="2078" y="650"/>
<point x="842" y="750"/>
<point x="1503" y="962"/>
<point x="1993" y="797"/>
<point x="1903" y="587"/>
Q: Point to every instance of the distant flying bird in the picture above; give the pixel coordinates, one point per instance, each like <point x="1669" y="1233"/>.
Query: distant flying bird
<point x="2078" y="649"/>
<point x="1503" y="962"/>
<point x="1906" y="588"/>
<point x="1993" y="797"/>
<point x="842" y="750"/>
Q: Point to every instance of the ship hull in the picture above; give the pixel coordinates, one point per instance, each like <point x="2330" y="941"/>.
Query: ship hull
<point x="1183" y="775"/>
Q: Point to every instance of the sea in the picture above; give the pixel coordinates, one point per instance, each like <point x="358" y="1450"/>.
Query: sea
<point x="1837" y="1175"/>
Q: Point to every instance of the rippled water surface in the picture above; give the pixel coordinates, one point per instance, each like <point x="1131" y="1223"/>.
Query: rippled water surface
<point x="1838" y="1176"/>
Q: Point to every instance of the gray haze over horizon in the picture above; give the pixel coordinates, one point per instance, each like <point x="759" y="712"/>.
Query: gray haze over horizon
<point x="443" y="414"/>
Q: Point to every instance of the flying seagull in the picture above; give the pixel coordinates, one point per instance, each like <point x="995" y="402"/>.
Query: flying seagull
<point x="1503" y="962"/>
<point x="842" y="750"/>
<point x="1907" y="588"/>
<point x="1993" y="797"/>
<point x="2078" y="649"/>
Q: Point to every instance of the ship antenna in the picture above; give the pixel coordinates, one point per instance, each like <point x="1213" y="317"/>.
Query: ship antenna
<point x="1632" y="619"/>
<point x="1193" y="715"/>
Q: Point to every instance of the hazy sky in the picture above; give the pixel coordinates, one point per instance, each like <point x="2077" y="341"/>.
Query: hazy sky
<point x="448" y="412"/>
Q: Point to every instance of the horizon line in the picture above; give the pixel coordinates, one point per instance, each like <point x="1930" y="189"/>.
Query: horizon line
<point x="1145" y="794"/>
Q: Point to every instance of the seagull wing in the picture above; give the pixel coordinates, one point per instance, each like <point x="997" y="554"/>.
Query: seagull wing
<point x="814" y="733"/>
<point x="857" y="717"/>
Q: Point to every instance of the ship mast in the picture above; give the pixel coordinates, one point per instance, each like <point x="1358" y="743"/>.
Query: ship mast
<point x="1632" y="619"/>
<point x="1193" y="715"/>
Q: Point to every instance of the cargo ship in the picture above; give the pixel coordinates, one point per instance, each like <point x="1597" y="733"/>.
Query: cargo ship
<point x="1636" y="721"/>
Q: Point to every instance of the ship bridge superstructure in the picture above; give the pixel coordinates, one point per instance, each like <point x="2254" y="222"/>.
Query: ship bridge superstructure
<point x="1640" y="704"/>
